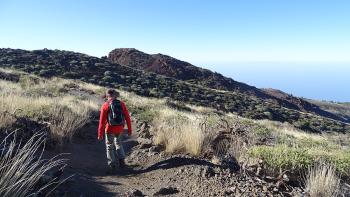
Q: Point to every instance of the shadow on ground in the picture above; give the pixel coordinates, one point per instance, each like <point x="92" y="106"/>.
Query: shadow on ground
<point x="176" y="162"/>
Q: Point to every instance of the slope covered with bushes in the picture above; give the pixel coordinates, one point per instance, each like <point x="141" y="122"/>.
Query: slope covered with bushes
<point x="71" y="65"/>
<point x="171" y="67"/>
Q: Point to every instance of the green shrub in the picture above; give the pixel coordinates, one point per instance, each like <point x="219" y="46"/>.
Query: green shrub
<point x="340" y="159"/>
<point x="282" y="157"/>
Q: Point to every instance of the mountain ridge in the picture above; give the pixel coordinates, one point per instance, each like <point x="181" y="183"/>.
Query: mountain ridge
<point x="172" y="67"/>
<point x="181" y="70"/>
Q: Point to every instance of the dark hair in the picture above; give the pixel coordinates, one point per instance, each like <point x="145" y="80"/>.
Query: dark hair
<point x="112" y="93"/>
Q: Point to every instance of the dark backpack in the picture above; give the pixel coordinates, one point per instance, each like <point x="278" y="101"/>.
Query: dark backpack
<point x="115" y="113"/>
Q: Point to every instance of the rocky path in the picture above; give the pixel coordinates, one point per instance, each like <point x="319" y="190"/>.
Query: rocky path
<point x="150" y="172"/>
<point x="87" y="166"/>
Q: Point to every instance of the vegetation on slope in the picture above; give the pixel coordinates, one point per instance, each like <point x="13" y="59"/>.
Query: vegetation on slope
<point x="184" y="71"/>
<point x="34" y="104"/>
<point x="49" y="63"/>
<point x="171" y="67"/>
<point x="341" y="109"/>
<point x="280" y="145"/>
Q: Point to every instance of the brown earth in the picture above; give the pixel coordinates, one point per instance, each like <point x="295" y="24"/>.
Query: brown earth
<point x="152" y="172"/>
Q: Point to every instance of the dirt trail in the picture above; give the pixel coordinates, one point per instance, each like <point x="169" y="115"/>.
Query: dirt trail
<point x="87" y="162"/>
<point x="150" y="171"/>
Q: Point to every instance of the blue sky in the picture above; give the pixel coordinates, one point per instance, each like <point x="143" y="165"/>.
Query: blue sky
<point x="232" y="37"/>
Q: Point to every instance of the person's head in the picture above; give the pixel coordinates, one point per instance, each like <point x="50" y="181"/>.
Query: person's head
<point x="111" y="94"/>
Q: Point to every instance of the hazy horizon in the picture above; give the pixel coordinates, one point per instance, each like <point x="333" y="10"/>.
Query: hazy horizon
<point x="313" y="80"/>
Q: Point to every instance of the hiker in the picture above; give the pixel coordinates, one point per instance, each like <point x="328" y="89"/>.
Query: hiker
<point x="112" y="120"/>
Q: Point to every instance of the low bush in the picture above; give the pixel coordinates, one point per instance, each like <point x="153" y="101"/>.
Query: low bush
<point x="282" y="157"/>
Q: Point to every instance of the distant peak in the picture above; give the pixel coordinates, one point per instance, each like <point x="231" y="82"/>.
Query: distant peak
<point x="134" y="50"/>
<point x="126" y="49"/>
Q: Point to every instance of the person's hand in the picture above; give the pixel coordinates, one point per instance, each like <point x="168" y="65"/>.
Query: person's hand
<point x="99" y="138"/>
<point x="129" y="133"/>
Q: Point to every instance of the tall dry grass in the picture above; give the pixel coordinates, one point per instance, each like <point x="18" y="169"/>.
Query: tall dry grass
<point x="178" y="132"/>
<point x="6" y="120"/>
<point x="287" y="129"/>
<point x="142" y="102"/>
<point x="21" y="167"/>
<point x="322" y="181"/>
<point x="48" y="101"/>
<point x="238" y="147"/>
<point x="64" y="123"/>
<point x="195" y="133"/>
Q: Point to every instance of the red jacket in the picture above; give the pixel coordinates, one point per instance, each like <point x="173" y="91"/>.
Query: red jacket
<point x="105" y="127"/>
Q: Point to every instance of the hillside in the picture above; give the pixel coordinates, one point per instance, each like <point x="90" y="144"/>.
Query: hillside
<point x="181" y="70"/>
<point x="71" y="65"/>
<point x="197" y="152"/>
<point x="338" y="108"/>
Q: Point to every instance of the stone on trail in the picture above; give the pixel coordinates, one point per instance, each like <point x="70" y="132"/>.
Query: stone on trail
<point x="134" y="192"/>
<point x="166" y="191"/>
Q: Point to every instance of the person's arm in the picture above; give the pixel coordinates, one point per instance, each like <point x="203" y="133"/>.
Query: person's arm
<point x="102" y="122"/>
<point x="127" y="118"/>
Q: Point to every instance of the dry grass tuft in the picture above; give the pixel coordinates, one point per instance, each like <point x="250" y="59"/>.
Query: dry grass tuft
<point x="238" y="147"/>
<point x="6" y="120"/>
<point x="64" y="123"/>
<point x="178" y="132"/>
<point x="287" y="129"/>
<point x="138" y="101"/>
<point x="322" y="181"/>
<point x="22" y="168"/>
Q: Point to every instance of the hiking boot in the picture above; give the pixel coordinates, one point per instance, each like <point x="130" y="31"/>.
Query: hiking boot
<point x="122" y="163"/>
<point x="111" y="170"/>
